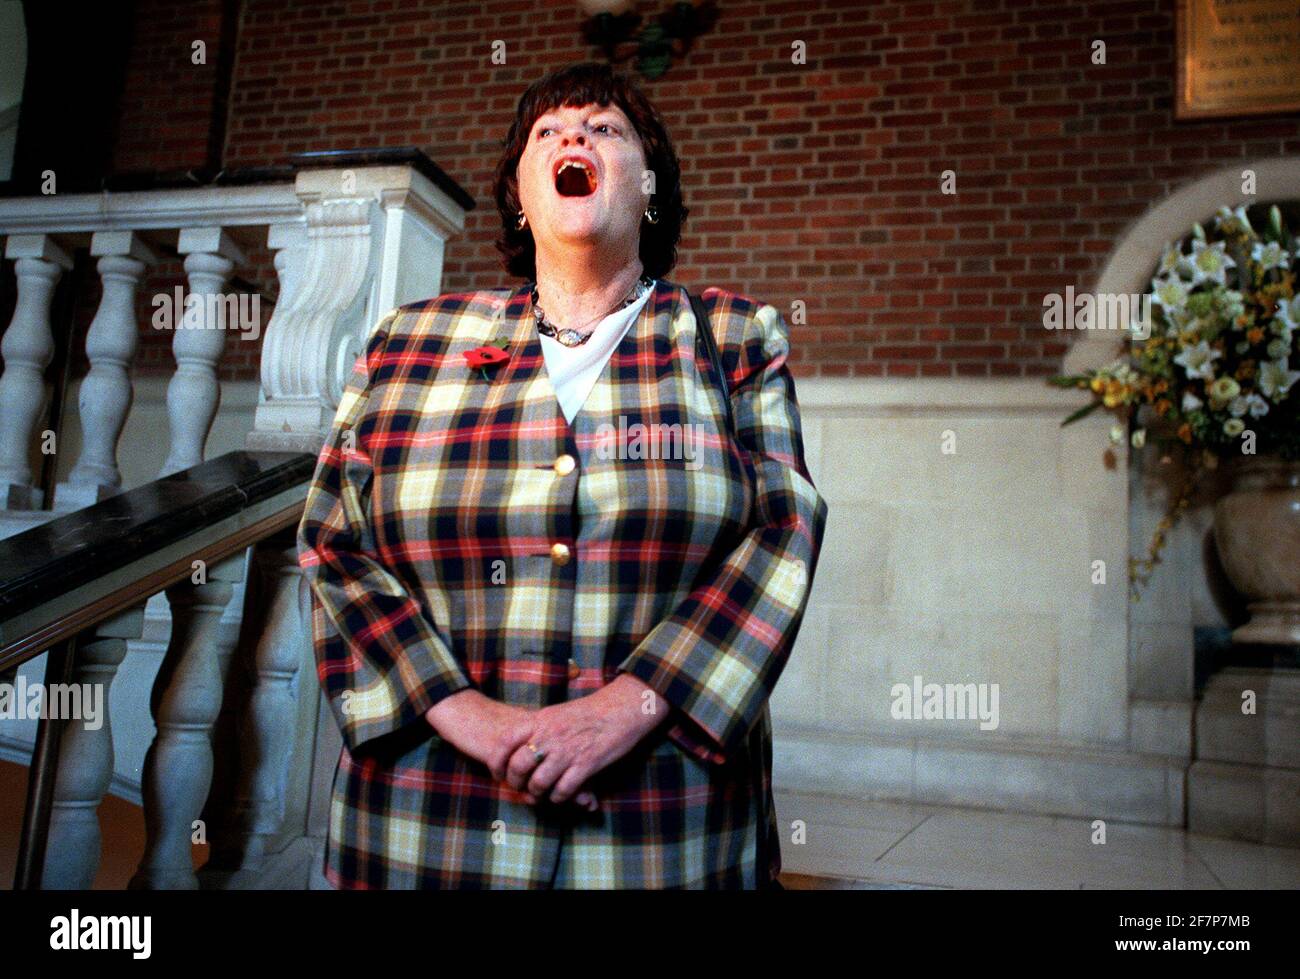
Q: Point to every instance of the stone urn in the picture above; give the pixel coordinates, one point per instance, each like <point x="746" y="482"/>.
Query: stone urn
<point x="1257" y="533"/>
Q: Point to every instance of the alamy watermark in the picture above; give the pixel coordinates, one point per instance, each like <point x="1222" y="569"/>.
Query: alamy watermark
<point x="945" y="702"/>
<point x="22" y="701"/>
<point x="1098" y="311"/>
<point x="240" y="311"/>
<point x="100" y="932"/>
<point x="654" y="441"/>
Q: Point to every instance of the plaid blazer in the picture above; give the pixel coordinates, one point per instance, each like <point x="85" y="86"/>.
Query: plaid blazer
<point x="459" y="532"/>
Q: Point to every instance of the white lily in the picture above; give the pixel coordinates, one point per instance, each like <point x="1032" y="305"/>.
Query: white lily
<point x="1237" y="215"/>
<point x="1170" y="294"/>
<point x="1269" y="256"/>
<point x="1172" y="261"/>
<point x="1198" y="360"/>
<point x="1275" y="379"/>
<point x="1210" y="262"/>
<point x="1256" y="405"/>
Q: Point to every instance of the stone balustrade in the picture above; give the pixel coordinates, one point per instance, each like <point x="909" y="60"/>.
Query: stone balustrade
<point x="349" y="243"/>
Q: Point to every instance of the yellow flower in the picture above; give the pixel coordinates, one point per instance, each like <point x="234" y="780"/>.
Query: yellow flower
<point x="1224" y="389"/>
<point x="1097" y="384"/>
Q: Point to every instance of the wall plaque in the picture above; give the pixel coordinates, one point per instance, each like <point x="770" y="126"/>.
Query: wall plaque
<point x="1237" y="58"/>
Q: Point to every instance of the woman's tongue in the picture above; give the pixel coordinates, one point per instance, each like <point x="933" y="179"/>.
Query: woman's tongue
<point x="575" y="182"/>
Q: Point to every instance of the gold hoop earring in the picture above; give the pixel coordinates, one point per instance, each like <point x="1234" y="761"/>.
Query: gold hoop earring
<point x="521" y="221"/>
<point x="652" y="215"/>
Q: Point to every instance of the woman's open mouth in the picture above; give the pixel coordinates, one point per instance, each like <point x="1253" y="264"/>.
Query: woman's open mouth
<point x="575" y="179"/>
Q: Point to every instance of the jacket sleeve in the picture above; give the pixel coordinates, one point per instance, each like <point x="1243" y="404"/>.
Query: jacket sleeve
<point x="380" y="662"/>
<point x="718" y="657"/>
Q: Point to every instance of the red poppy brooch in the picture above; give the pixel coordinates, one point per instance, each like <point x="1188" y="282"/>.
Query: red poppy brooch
<point x="488" y="355"/>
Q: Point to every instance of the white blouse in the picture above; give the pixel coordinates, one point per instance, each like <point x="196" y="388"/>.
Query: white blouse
<point x="573" y="370"/>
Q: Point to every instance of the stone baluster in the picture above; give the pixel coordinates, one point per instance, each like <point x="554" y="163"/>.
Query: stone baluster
<point x="276" y="730"/>
<point x="27" y="348"/>
<point x="86" y="759"/>
<point x="194" y="393"/>
<point x="106" y="394"/>
<point x="186" y="700"/>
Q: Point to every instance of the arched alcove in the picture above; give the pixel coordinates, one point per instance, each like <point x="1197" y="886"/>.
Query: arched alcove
<point x="1186" y="605"/>
<point x="1129" y="265"/>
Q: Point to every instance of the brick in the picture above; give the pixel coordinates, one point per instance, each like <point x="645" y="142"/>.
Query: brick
<point x="816" y="181"/>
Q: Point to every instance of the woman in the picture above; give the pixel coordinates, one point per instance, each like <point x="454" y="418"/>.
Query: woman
<point x="549" y="644"/>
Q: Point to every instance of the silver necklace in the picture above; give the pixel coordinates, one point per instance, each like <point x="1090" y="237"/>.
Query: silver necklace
<point x="575" y="338"/>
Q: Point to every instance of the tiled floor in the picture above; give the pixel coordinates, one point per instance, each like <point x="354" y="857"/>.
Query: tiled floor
<point x="855" y="844"/>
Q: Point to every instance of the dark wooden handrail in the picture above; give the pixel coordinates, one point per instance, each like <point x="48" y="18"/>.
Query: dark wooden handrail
<point x="64" y="577"/>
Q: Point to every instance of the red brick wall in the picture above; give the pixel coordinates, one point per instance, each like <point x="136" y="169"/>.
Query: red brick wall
<point x="167" y="99"/>
<point x="817" y="182"/>
<point x="167" y="114"/>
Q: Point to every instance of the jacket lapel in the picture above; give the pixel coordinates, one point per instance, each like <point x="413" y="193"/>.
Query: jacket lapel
<point x="523" y="384"/>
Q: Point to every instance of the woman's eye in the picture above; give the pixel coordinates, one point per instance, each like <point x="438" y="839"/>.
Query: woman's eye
<point x="604" y="125"/>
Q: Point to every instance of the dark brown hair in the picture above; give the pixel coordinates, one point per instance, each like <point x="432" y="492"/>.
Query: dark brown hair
<point x="591" y="83"/>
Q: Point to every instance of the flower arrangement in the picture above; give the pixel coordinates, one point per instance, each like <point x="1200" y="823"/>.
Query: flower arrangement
<point x="1211" y="373"/>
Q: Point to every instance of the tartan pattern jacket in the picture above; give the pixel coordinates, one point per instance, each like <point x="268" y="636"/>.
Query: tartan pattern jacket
<point x="458" y="531"/>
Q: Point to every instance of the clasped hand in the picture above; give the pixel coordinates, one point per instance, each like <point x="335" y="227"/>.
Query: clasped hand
<point x="578" y="738"/>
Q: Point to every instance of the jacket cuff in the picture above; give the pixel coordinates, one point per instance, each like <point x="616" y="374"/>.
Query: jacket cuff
<point x="690" y="737"/>
<point x="686" y="730"/>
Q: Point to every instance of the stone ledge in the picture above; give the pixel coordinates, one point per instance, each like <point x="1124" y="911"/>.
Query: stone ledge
<point x="1045" y="779"/>
<point x="993" y="397"/>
